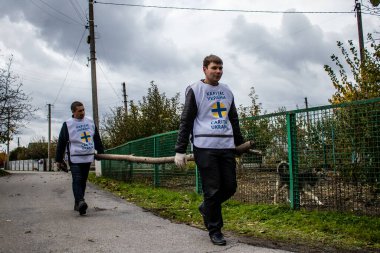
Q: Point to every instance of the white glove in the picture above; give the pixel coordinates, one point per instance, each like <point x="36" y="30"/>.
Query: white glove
<point x="180" y="160"/>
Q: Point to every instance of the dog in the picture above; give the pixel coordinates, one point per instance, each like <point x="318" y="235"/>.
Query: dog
<point x="306" y="182"/>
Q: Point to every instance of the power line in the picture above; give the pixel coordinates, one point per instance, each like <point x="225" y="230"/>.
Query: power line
<point x="104" y="74"/>
<point x="77" y="11"/>
<point x="83" y="11"/>
<point x="63" y="83"/>
<point x="58" y="11"/>
<point x="58" y="18"/>
<point x="226" y="10"/>
<point x="105" y="53"/>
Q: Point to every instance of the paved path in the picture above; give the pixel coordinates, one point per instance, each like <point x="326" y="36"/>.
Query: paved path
<point x="36" y="215"/>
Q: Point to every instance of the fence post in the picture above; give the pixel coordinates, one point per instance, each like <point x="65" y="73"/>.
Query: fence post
<point x="156" y="166"/>
<point x="132" y="166"/>
<point x="130" y="163"/>
<point x="291" y="126"/>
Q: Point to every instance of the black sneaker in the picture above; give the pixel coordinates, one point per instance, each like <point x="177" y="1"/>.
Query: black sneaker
<point x="217" y="238"/>
<point x="200" y="208"/>
<point x="82" y="207"/>
<point x="76" y="207"/>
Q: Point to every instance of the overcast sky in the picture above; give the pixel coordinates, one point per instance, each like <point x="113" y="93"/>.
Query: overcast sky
<point x="281" y="55"/>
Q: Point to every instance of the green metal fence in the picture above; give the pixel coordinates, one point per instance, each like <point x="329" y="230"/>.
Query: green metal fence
<point x="332" y="152"/>
<point x="164" y="175"/>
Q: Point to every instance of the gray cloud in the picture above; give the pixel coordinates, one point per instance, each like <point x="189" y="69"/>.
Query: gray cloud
<point x="127" y="38"/>
<point x="125" y="35"/>
<point x="295" y="43"/>
<point x="58" y="30"/>
<point x="291" y="56"/>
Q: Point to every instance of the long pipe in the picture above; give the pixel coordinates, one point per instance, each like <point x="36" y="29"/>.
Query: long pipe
<point x="243" y="148"/>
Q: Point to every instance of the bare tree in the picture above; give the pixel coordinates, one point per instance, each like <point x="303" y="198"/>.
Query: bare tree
<point x="15" y="106"/>
<point x="373" y="7"/>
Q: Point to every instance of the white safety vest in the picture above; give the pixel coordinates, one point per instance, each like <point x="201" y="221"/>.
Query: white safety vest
<point x="81" y="141"/>
<point x="212" y="127"/>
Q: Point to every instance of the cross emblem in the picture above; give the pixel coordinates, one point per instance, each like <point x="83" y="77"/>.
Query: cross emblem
<point x="85" y="136"/>
<point x="219" y="110"/>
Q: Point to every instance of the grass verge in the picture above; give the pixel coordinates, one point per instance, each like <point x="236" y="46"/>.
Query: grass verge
<point x="318" y="229"/>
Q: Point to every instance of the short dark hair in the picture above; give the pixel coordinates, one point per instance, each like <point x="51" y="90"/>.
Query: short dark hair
<point x="74" y="105"/>
<point x="212" y="58"/>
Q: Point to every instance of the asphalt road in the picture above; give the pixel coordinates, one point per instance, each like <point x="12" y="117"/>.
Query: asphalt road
<point x="36" y="215"/>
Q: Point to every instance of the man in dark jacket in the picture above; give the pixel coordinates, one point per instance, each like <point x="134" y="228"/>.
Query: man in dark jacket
<point x="210" y="117"/>
<point x="79" y="138"/>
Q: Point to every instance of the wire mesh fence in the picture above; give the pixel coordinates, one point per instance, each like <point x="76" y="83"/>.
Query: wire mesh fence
<point x="319" y="158"/>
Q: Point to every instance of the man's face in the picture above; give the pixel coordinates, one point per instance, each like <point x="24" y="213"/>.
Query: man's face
<point x="213" y="73"/>
<point x="79" y="112"/>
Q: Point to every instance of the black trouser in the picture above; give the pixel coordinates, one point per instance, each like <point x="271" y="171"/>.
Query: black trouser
<point x="217" y="168"/>
<point x="79" y="172"/>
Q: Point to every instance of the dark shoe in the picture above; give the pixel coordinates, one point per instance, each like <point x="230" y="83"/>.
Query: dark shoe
<point x="218" y="239"/>
<point x="76" y="207"/>
<point x="200" y="208"/>
<point x="82" y="207"/>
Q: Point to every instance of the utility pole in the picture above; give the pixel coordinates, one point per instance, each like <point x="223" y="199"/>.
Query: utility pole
<point x="8" y="137"/>
<point x="18" y="142"/>
<point x="93" y="62"/>
<point x="360" y="29"/>
<point x="49" y="137"/>
<point x="125" y="99"/>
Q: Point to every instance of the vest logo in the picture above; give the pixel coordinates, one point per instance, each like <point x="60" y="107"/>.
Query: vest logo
<point x="219" y="110"/>
<point x="85" y="136"/>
